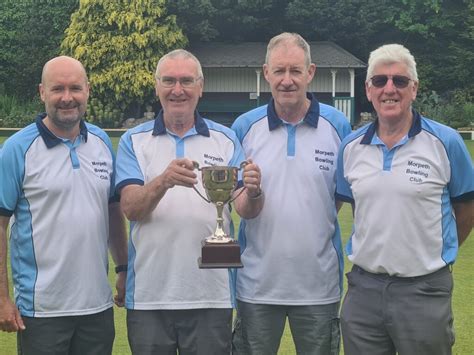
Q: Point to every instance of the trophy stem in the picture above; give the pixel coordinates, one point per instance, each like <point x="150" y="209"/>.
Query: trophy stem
<point x="219" y="235"/>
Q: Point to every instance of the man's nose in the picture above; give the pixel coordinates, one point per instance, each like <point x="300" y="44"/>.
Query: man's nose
<point x="389" y="86"/>
<point x="66" y="95"/>
<point x="177" y="88"/>
<point x="287" y="79"/>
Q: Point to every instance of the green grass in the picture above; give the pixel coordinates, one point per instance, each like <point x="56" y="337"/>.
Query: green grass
<point x="462" y="298"/>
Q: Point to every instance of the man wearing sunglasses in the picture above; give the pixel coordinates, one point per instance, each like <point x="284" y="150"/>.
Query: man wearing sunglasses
<point x="172" y="304"/>
<point x="410" y="182"/>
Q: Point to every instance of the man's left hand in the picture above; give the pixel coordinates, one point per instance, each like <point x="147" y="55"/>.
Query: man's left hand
<point x="252" y="179"/>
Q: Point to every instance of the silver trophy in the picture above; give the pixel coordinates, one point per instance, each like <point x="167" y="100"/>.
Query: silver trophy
<point x="219" y="250"/>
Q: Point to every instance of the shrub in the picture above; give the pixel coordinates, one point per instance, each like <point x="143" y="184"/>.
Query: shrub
<point x="17" y="114"/>
<point x="455" y="109"/>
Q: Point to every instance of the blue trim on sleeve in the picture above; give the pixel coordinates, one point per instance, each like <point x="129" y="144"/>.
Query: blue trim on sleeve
<point x="6" y="213"/>
<point x="468" y="196"/>
<point x="124" y="183"/>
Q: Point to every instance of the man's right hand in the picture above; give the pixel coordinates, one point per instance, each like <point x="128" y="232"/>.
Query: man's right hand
<point x="179" y="172"/>
<point x="10" y="318"/>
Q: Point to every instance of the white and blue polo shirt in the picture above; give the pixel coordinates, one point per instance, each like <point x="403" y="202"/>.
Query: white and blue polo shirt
<point x="291" y="252"/>
<point x="164" y="247"/>
<point x="404" y="223"/>
<point x="58" y="192"/>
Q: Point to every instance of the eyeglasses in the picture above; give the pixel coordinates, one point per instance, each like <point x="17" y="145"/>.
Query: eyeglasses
<point x="185" y="82"/>
<point x="400" y="81"/>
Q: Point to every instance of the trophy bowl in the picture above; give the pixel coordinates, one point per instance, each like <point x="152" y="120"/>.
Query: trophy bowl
<point x="219" y="250"/>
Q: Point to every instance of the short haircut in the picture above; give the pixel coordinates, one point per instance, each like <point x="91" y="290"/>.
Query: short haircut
<point x="179" y="53"/>
<point x="391" y="54"/>
<point x="287" y="37"/>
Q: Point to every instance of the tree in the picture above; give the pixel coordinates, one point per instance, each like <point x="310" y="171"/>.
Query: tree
<point x="440" y="35"/>
<point x="196" y="18"/>
<point x="30" y="34"/>
<point x="119" y="43"/>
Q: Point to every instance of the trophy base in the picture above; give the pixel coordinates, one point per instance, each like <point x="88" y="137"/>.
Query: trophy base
<point x="220" y="255"/>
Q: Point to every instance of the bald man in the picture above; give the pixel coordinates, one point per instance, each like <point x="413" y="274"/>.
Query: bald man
<point x="57" y="181"/>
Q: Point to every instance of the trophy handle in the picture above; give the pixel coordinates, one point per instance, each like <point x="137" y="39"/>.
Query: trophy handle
<point x="196" y="166"/>
<point x="242" y="165"/>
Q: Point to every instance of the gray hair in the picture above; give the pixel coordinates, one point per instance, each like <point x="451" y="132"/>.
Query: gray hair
<point x="179" y="53"/>
<point x="391" y="54"/>
<point x="287" y="37"/>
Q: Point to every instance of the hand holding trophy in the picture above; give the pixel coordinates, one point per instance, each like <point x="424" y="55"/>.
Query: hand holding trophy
<point x="219" y="250"/>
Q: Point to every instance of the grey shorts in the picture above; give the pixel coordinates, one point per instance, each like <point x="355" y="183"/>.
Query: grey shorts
<point x="191" y="332"/>
<point x="258" y="328"/>
<point x="382" y="314"/>
<point x="71" y="335"/>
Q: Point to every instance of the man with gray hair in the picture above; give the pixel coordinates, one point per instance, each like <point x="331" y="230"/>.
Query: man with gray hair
<point x="172" y="304"/>
<point x="410" y="182"/>
<point x="292" y="251"/>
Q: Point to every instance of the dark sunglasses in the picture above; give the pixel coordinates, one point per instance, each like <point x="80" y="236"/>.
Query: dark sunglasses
<point x="400" y="81"/>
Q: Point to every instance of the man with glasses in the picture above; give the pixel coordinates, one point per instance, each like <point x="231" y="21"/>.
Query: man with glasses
<point x="292" y="252"/>
<point x="410" y="181"/>
<point x="172" y="304"/>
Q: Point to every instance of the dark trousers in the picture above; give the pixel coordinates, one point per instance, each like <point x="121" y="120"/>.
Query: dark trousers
<point x="189" y="332"/>
<point x="71" y="335"/>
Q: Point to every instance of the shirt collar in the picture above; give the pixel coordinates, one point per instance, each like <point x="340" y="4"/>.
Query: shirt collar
<point x="414" y="129"/>
<point x="49" y="138"/>
<point x="199" y="124"/>
<point x="311" y="117"/>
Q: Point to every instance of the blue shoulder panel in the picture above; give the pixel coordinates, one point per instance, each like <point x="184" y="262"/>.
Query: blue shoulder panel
<point x="461" y="184"/>
<point x="336" y="118"/>
<point x="242" y="124"/>
<point x="12" y="167"/>
<point x="128" y="169"/>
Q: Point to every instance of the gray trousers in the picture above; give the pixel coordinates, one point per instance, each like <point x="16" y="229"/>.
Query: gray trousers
<point x="383" y="314"/>
<point x="189" y="332"/>
<point x="71" y="335"/>
<point x="259" y="327"/>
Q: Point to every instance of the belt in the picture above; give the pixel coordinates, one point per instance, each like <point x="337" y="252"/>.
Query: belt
<point x="381" y="276"/>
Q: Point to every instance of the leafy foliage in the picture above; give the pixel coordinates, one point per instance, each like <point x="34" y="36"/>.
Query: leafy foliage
<point x="120" y="43"/>
<point x="30" y="34"/>
<point x="455" y="108"/>
<point x="16" y="113"/>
